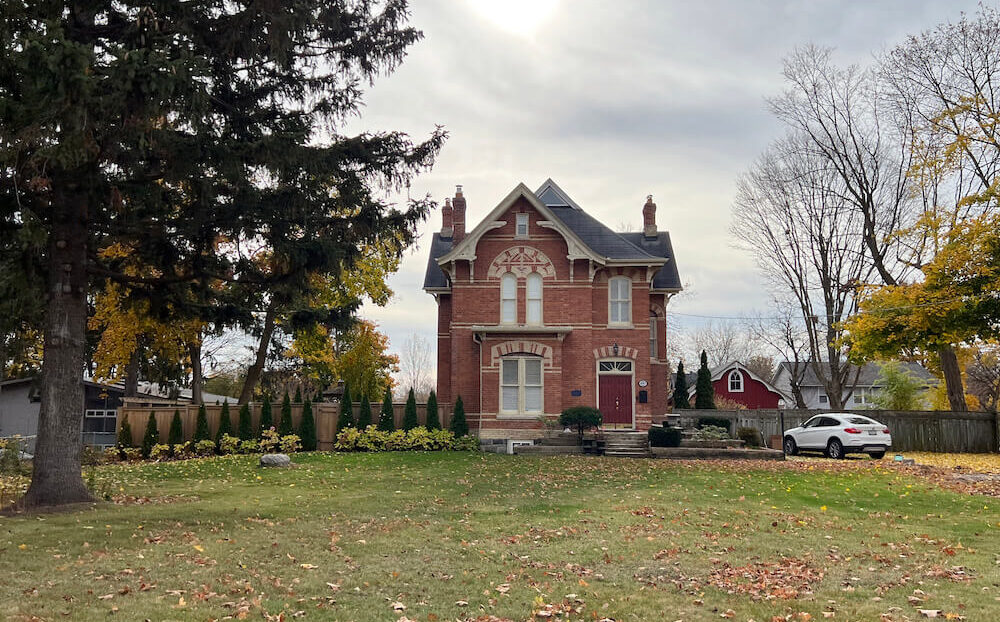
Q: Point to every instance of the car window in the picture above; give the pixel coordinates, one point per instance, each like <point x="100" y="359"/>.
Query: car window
<point x="861" y="421"/>
<point x="827" y="422"/>
<point x="811" y="423"/>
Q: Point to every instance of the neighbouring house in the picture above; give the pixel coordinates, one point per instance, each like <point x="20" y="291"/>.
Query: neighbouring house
<point x="20" y="403"/>
<point x="866" y="389"/>
<point x="734" y="382"/>
<point x="541" y="307"/>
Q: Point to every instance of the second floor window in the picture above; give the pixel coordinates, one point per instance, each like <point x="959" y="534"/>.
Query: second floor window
<point x="522" y="226"/>
<point x="653" y="350"/>
<point x="534" y="310"/>
<point x="508" y="299"/>
<point x="735" y="381"/>
<point x="620" y="300"/>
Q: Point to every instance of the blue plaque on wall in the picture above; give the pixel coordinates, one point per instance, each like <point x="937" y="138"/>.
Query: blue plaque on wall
<point x="576" y="393"/>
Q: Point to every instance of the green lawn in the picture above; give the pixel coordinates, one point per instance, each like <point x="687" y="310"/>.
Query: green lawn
<point x="459" y="535"/>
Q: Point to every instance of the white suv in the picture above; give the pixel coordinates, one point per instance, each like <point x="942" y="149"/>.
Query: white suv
<point x="838" y="434"/>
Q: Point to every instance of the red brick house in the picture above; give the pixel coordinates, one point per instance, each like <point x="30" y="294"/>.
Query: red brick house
<point x="541" y="307"/>
<point x="735" y="382"/>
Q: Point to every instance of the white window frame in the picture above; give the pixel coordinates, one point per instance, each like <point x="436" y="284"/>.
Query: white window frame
<point x="509" y="277"/>
<point x="529" y="318"/>
<point x="654" y="345"/>
<point x="613" y="302"/>
<point x="521" y="386"/>
<point x="736" y="375"/>
<point x="100" y="413"/>
<point x="824" y="399"/>
<point x="521" y="219"/>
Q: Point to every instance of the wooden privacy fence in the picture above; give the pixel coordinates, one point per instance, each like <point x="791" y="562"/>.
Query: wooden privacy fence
<point x="969" y="432"/>
<point x="325" y="413"/>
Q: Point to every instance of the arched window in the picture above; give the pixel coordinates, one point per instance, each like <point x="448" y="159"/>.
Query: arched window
<point x="620" y="300"/>
<point x="508" y="299"/>
<point x="534" y="314"/>
<point x="735" y="381"/>
<point x="653" y="349"/>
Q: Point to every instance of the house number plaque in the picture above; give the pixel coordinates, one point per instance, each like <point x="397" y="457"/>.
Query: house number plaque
<point x="643" y="383"/>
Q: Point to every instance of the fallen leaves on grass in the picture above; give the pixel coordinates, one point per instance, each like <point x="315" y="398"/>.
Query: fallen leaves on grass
<point x="786" y="579"/>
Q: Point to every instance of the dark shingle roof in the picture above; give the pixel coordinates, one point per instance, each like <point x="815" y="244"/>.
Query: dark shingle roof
<point x="660" y="246"/>
<point x="595" y="235"/>
<point x="435" y="277"/>
<point x="869" y="373"/>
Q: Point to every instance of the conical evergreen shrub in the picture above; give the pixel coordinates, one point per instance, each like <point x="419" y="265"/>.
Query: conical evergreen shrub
<point x="433" y="418"/>
<point x="346" y="418"/>
<point x="266" y="418"/>
<point x="285" y="422"/>
<point x="704" y="394"/>
<point x="307" y="427"/>
<point x="245" y="431"/>
<point x="176" y="434"/>
<point x="225" y="423"/>
<point x="201" y="432"/>
<point x="459" y="426"/>
<point x="364" y="413"/>
<point x="410" y="412"/>
<point x="125" y="433"/>
<point x="681" y="389"/>
<point x="151" y="437"/>
<point x="386" y="418"/>
<point x="298" y="395"/>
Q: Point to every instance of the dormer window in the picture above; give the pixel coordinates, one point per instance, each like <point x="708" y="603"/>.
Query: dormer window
<point x="522" y="226"/>
<point x="735" y="381"/>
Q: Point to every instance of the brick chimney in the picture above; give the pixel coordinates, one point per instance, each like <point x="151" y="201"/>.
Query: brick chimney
<point x="458" y="220"/>
<point x="649" y="218"/>
<point x="447" y="216"/>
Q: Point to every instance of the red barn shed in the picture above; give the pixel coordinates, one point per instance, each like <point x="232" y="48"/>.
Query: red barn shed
<point x="735" y="382"/>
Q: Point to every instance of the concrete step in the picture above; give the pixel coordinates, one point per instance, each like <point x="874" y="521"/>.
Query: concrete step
<point x="628" y="454"/>
<point x="547" y="450"/>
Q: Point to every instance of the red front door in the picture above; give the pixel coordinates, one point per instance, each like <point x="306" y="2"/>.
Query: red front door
<point x="615" y="401"/>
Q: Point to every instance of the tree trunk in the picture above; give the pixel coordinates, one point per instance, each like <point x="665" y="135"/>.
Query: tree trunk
<point x="56" y="474"/>
<point x="253" y="374"/>
<point x="132" y="374"/>
<point x="953" y="379"/>
<point x="194" y="351"/>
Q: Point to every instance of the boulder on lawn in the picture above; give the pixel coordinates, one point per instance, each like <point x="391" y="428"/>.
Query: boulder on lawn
<point x="275" y="460"/>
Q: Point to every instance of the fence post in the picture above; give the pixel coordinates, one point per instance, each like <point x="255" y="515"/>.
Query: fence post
<point x="996" y="431"/>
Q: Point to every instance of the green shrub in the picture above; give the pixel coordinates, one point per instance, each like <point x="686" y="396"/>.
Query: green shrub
<point x="181" y="450"/>
<point x="346" y="418"/>
<point x="364" y="413"/>
<point x="307" y="427"/>
<point x="201" y="432"/>
<point x="711" y="433"/>
<point x="718" y="422"/>
<point x="159" y="451"/>
<point x="433" y="418"/>
<point x="290" y="443"/>
<point x="459" y="426"/>
<point x="228" y="444"/>
<point x="266" y="419"/>
<point x="124" y="434"/>
<point x="704" y="393"/>
<point x="750" y="436"/>
<point x="660" y="436"/>
<point x="245" y="429"/>
<point x="466" y="443"/>
<point x="176" y="434"/>
<point x="111" y="454"/>
<point x="410" y="412"/>
<point x="285" y="422"/>
<point x="581" y="417"/>
<point x="204" y="447"/>
<point x="10" y="456"/>
<point x="681" y="400"/>
<point x="270" y="441"/>
<point x="225" y="424"/>
<point x="132" y="453"/>
<point x="386" y="417"/>
<point x="251" y="446"/>
<point x="417" y="439"/>
<point x="151" y="437"/>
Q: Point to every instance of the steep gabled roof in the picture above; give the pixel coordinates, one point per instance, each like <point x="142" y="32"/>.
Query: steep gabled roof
<point x="434" y="276"/>
<point x="668" y="278"/>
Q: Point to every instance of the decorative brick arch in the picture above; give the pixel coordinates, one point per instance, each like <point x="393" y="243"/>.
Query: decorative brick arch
<point x="609" y="352"/>
<point x="521" y="261"/>
<point x="521" y="347"/>
<point x="658" y="310"/>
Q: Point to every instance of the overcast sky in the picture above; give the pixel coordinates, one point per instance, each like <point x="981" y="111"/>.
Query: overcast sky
<point x="614" y="100"/>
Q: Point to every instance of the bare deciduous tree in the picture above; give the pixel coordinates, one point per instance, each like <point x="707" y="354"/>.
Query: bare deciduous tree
<point x="785" y="335"/>
<point x="415" y="366"/>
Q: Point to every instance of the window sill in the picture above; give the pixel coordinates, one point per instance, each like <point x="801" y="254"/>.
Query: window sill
<point x="523" y="416"/>
<point x="620" y="326"/>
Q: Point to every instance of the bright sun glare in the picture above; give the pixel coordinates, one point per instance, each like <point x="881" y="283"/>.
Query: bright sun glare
<point x="519" y="16"/>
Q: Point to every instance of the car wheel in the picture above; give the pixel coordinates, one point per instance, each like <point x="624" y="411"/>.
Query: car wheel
<point x="877" y="455"/>
<point x="835" y="449"/>
<point x="789" y="446"/>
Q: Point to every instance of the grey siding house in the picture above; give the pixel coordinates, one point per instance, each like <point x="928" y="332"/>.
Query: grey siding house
<point x="861" y="398"/>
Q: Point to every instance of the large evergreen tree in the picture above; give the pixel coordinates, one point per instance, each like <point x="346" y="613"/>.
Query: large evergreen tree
<point x="143" y="142"/>
<point x="346" y="418"/>
<point x="681" y="389"/>
<point x="387" y="417"/>
<point x="410" y="412"/>
<point x="433" y="418"/>
<point x="704" y="394"/>
<point x="364" y="413"/>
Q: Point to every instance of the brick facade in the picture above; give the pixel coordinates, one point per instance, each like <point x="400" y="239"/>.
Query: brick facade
<point x="574" y="335"/>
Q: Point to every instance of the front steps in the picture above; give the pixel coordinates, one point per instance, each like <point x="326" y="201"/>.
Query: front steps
<point x="626" y="444"/>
